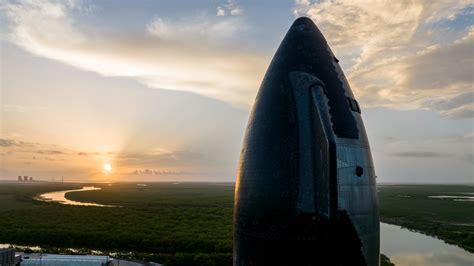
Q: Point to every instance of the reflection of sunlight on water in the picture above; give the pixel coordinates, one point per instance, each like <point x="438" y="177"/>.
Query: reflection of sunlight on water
<point x="439" y="258"/>
<point x="405" y="247"/>
<point x="60" y="197"/>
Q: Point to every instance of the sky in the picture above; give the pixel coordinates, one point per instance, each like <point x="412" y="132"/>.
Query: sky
<point x="161" y="90"/>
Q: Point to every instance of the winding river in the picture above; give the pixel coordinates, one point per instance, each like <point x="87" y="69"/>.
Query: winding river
<point x="60" y="197"/>
<point x="405" y="247"/>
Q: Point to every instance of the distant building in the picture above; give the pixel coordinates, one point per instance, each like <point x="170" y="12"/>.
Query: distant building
<point x="54" y="259"/>
<point x="8" y="257"/>
<point x="20" y="178"/>
<point x="31" y="178"/>
<point x="25" y="178"/>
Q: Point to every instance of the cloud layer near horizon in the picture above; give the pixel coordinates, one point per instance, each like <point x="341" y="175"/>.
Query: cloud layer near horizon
<point x="15" y="154"/>
<point x="390" y="49"/>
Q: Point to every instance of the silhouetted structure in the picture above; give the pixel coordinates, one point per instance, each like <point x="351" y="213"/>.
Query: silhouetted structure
<point x="305" y="192"/>
<point x="56" y="259"/>
<point x="8" y="257"/>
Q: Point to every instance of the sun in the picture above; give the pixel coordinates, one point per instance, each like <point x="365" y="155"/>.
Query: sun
<point x="107" y="167"/>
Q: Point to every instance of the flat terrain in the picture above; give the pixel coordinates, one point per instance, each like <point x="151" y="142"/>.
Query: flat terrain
<point x="183" y="224"/>
<point x="191" y="223"/>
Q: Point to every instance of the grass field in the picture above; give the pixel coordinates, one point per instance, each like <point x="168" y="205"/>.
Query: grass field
<point x="183" y="224"/>
<point x="190" y="223"/>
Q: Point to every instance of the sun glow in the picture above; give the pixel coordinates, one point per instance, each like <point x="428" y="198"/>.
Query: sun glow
<point x="107" y="167"/>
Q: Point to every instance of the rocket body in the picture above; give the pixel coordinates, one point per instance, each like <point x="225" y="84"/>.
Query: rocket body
<point x="306" y="190"/>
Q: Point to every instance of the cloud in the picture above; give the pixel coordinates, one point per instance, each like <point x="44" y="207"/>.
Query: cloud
<point x="158" y="172"/>
<point x="158" y="162"/>
<point x="229" y="8"/>
<point x="196" y="28"/>
<point x="15" y="143"/>
<point x="420" y="154"/>
<point x="459" y="106"/>
<point x="188" y="55"/>
<point x="85" y="154"/>
<point x="50" y="152"/>
<point x="13" y="108"/>
<point x="469" y="157"/>
<point x="7" y="143"/>
<point x="395" y="51"/>
<point x="163" y="158"/>
<point x="13" y="146"/>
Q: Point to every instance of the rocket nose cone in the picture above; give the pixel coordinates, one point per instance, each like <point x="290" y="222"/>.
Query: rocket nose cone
<point x="271" y="146"/>
<point x="304" y="25"/>
<point x="305" y="34"/>
<point x="305" y="49"/>
<point x="303" y="21"/>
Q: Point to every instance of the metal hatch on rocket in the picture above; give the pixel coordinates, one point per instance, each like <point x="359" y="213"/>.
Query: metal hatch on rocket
<point x="305" y="191"/>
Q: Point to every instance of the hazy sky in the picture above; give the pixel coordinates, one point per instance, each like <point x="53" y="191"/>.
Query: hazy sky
<point x="162" y="89"/>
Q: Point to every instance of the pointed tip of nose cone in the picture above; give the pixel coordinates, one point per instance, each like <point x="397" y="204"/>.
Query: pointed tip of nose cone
<point x="302" y="47"/>
<point x="303" y="21"/>
<point x="306" y="26"/>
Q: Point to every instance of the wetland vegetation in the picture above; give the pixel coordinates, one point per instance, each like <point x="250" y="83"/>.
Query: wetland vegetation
<point x="191" y="223"/>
